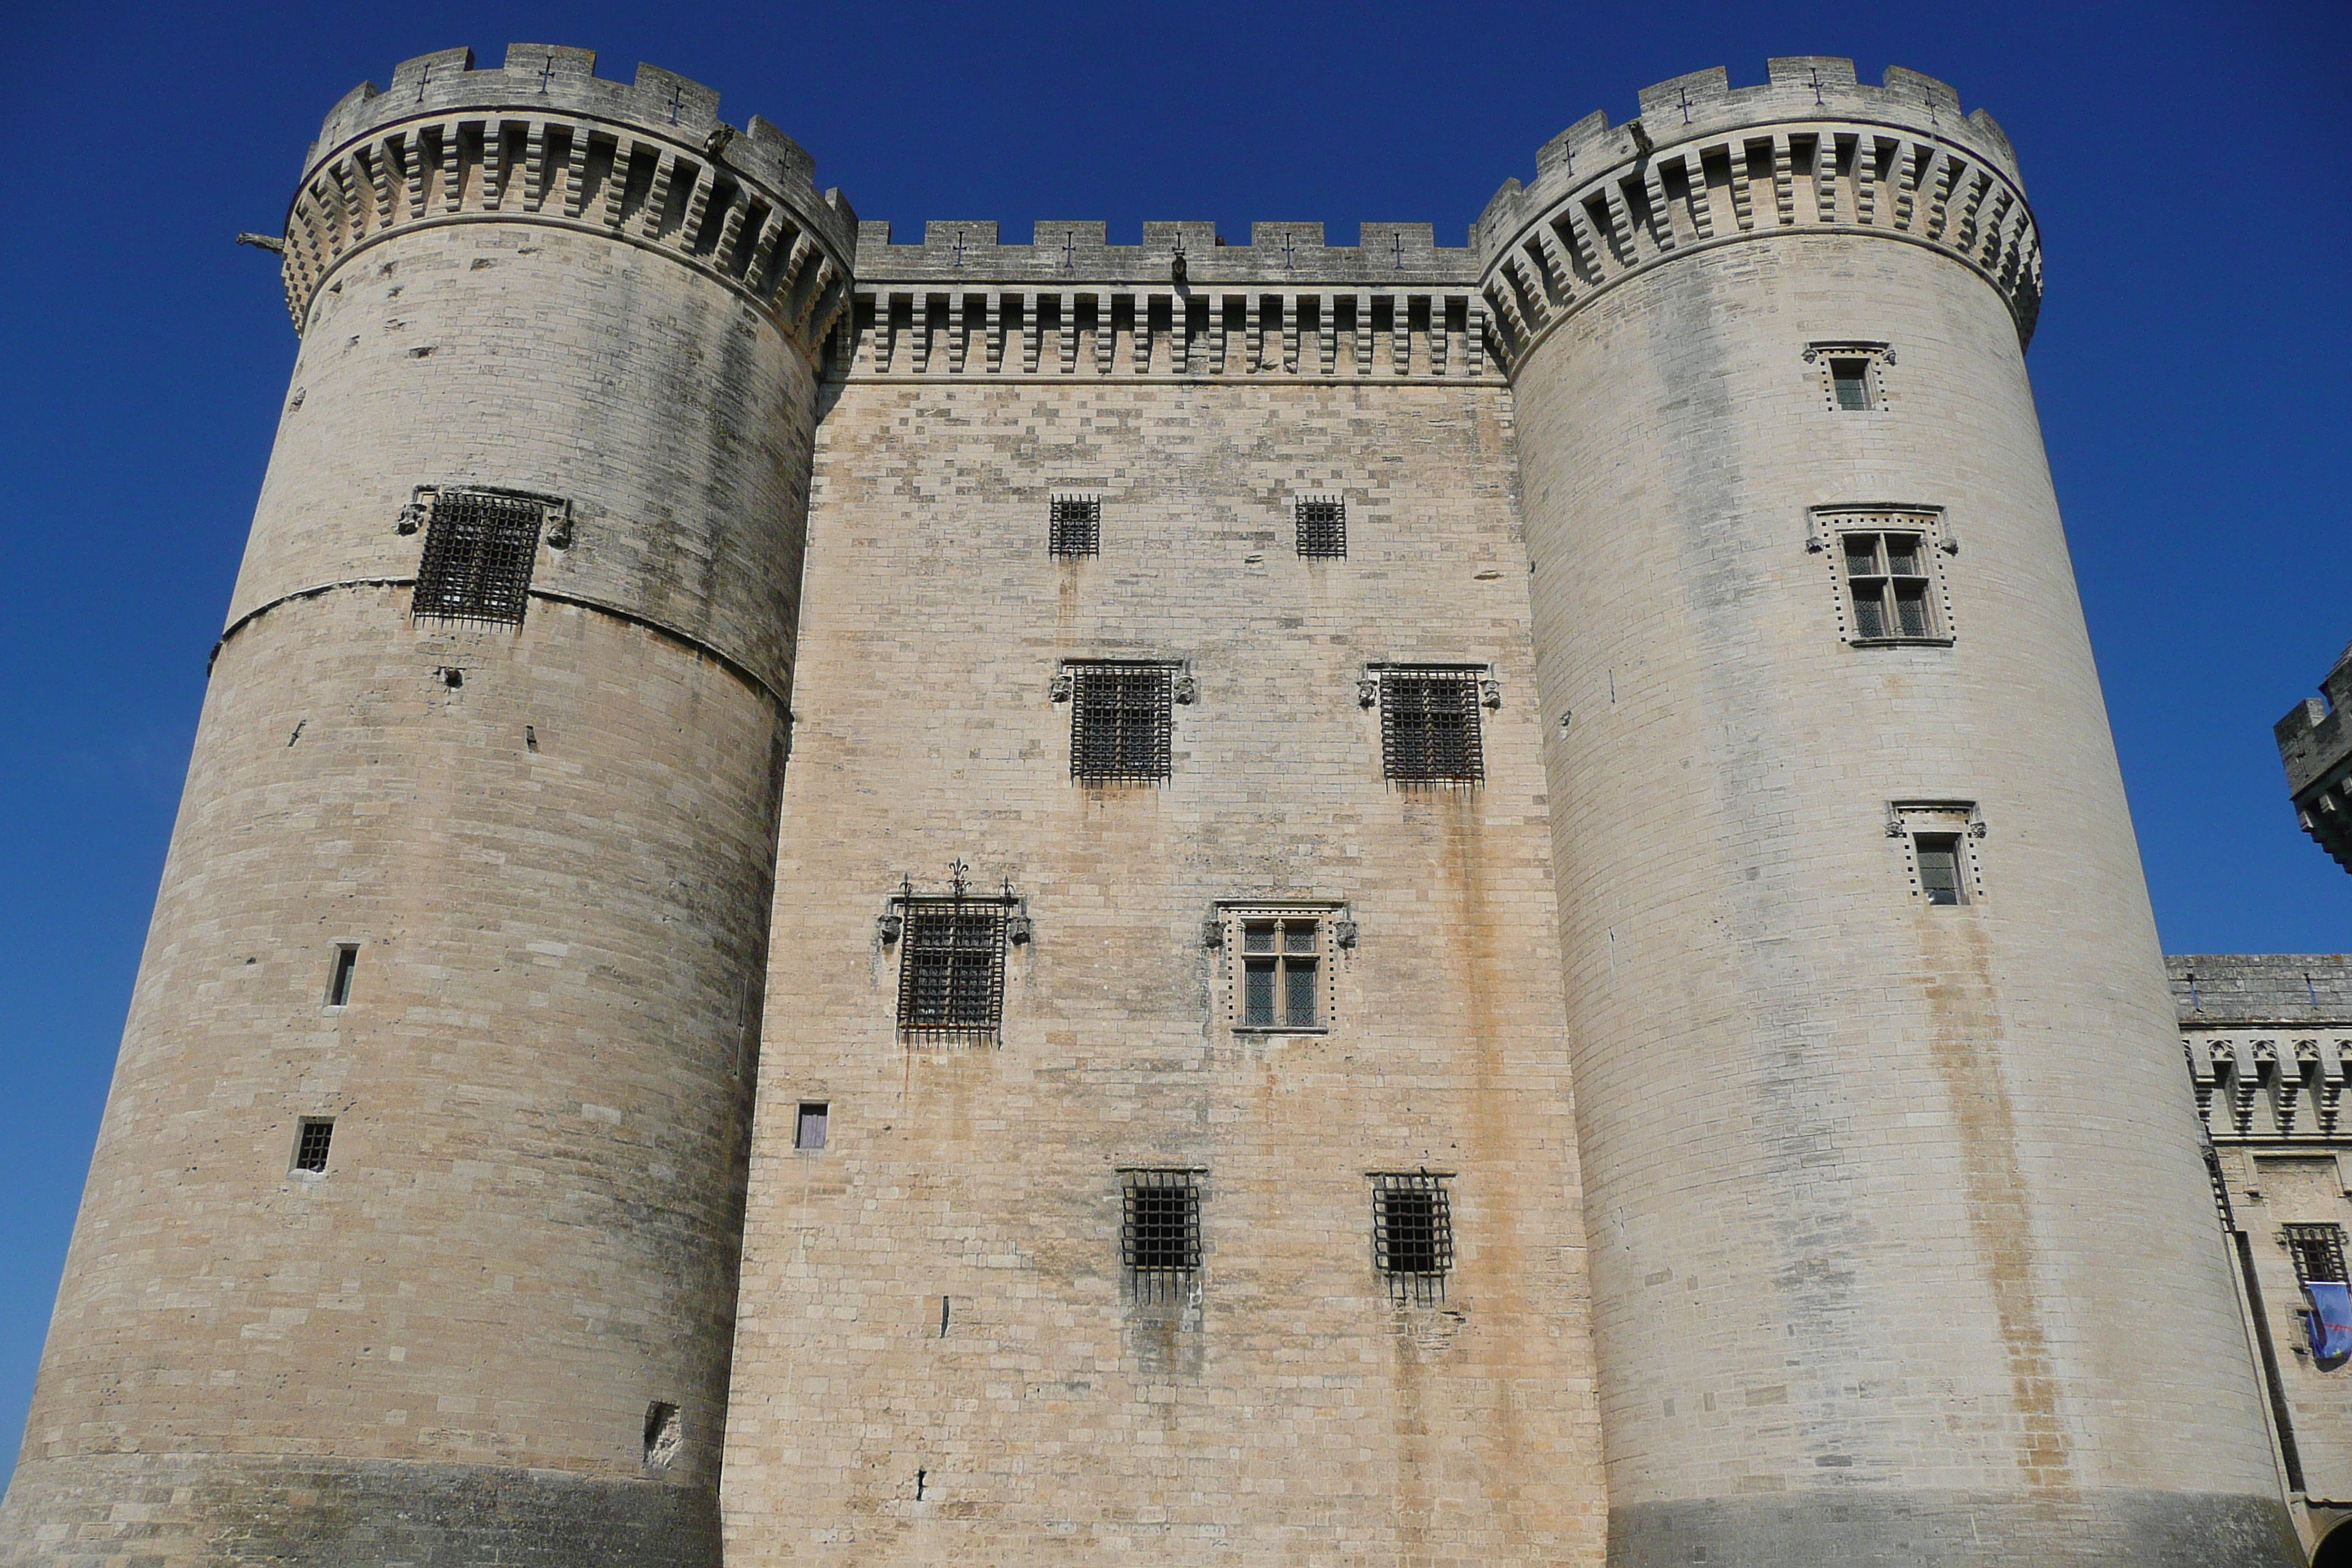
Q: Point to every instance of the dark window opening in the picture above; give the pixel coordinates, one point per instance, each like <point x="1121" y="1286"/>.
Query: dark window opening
<point x="1939" y="868"/>
<point x="1121" y="718"/>
<point x="479" y="553"/>
<point x="311" y="1144"/>
<point x="1074" y="528"/>
<point x="1323" y="527"/>
<point x="808" y="1131"/>
<point x="664" y="1432"/>
<point x="1850" y="378"/>
<point x="1412" y="1235"/>
<point x="1429" y="727"/>
<point x="1159" y="1228"/>
<point x="1887" y="575"/>
<point x="952" y="968"/>
<point x="339" y="977"/>
<point x="1280" y="962"/>
<point x="2318" y="1253"/>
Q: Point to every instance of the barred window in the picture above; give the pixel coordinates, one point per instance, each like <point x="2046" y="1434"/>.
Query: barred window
<point x="1413" y="1233"/>
<point x="1322" y="526"/>
<point x="952" y="968"/>
<point x="1429" y="726"/>
<point x="1159" y="1228"/>
<point x="311" y="1144"/>
<point x="1120" y="721"/>
<point x="2318" y="1253"/>
<point x="480" y="549"/>
<point x="1074" y="526"/>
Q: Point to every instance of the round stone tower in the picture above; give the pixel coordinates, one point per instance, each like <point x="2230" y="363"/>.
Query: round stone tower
<point x="412" y="1224"/>
<point x="1901" y="1251"/>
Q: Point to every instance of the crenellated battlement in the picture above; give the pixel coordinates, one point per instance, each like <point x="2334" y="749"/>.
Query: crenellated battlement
<point x="545" y="140"/>
<point x="1183" y="304"/>
<point x="1706" y="163"/>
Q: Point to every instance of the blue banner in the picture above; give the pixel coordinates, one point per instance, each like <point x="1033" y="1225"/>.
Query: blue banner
<point x="2330" y="1323"/>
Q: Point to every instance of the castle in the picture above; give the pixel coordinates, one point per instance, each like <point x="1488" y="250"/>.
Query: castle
<point x="865" y="902"/>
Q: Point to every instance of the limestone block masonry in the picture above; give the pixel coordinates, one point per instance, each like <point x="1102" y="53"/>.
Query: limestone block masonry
<point x="1543" y="1020"/>
<point x="550" y="844"/>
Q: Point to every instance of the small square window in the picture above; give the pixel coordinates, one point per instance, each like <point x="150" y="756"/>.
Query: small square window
<point x="1850" y="374"/>
<point x="952" y="968"/>
<point x="808" y="1131"/>
<point x="1322" y="526"/>
<point x="1430" y="727"/>
<point x="1850" y="378"/>
<point x="1075" y="526"/>
<point x="310" y="1145"/>
<point x="339" y="974"/>
<point x="1159" y="1228"/>
<point x="479" y="551"/>
<point x="1121" y="721"/>
<point x="1412" y="1235"/>
<point x="1941" y="880"/>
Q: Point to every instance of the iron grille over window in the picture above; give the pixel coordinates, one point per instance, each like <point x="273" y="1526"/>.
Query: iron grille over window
<point x="1322" y="526"/>
<point x="2318" y="1251"/>
<point x="1429" y="726"/>
<point x="951" y="967"/>
<point x="1159" y="1228"/>
<point x="1412" y="1235"/>
<point x="310" y="1145"/>
<point x="480" y="548"/>
<point x="1887" y="575"/>
<point x="1120" y="718"/>
<point x="1075" y="527"/>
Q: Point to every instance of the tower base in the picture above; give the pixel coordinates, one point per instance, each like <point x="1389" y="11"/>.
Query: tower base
<point x="2113" y="1528"/>
<point x="294" y="1512"/>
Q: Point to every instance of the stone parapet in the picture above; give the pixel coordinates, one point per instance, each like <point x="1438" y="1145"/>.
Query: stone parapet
<point x="2315" y="746"/>
<point x="1706" y="164"/>
<point x="545" y="141"/>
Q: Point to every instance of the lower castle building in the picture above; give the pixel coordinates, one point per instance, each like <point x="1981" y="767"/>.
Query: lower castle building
<point x="845" y="902"/>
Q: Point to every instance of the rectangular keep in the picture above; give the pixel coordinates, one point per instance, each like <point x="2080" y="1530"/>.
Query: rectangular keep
<point x="479" y="550"/>
<point x="1121" y="718"/>
<point x="1429" y="726"/>
<point x="951" y="968"/>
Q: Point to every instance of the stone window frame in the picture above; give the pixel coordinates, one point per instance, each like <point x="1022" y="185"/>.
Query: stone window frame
<point x="1183" y="690"/>
<point x="1335" y="933"/>
<point x="1371" y="684"/>
<point x="553" y="531"/>
<point x="1909" y="821"/>
<point x="1826" y="531"/>
<point x="1876" y="358"/>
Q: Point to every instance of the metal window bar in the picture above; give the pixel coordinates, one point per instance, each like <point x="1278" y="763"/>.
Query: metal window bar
<point x="1413" y="1235"/>
<point x="479" y="553"/>
<point x="1121" y="718"/>
<point x="1322" y="527"/>
<point x="1073" y="527"/>
<point x="951" y="968"/>
<point x="310" y="1146"/>
<point x="1429" y="727"/>
<point x="2318" y="1251"/>
<point x="1160" y="1231"/>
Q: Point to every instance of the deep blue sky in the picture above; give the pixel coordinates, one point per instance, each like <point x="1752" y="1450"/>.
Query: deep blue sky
<point x="2184" y="163"/>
